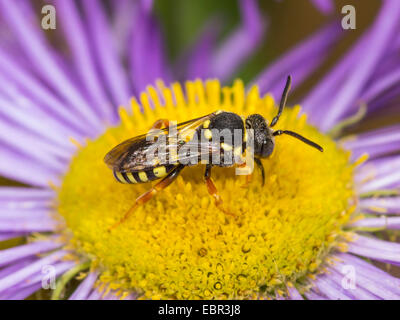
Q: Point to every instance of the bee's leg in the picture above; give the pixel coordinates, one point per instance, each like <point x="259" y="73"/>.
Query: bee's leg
<point x="212" y="190"/>
<point x="165" y="182"/>
<point x="261" y="167"/>
<point x="160" y="123"/>
<point x="248" y="176"/>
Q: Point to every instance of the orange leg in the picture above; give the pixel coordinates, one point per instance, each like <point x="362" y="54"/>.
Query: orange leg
<point x="212" y="190"/>
<point x="249" y="177"/>
<point x="165" y="182"/>
<point x="160" y="124"/>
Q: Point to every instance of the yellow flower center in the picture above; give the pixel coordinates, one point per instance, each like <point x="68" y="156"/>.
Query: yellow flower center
<point x="179" y="245"/>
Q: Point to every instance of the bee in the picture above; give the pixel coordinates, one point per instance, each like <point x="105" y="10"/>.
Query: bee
<point x="140" y="159"/>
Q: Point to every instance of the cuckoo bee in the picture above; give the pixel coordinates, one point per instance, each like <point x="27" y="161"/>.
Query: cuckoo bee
<point x="131" y="163"/>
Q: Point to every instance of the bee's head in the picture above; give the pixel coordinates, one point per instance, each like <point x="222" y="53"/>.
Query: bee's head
<point x="263" y="139"/>
<point x="264" y="142"/>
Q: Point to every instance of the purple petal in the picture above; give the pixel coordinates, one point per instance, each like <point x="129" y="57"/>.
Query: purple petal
<point x="329" y="289"/>
<point x="396" y="43"/>
<point x="59" y="269"/>
<point x="19" y="193"/>
<point x="381" y="84"/>
<point x="314" y="104"/>
<point x="17" y="108"/>
<point x="10" y="235"/>
<point x="370" y="278"/>
<point x="28" y="225"/>
<point x="24" y="204"/>
<point x="241" y="43"/>
<point x="383" y="222"/>
<point x="312" y="295"/>
<point x="108" y="59"/>
<point x="30" y="270"/>
<point x="380" y="35"/>
<point x="376" y="151"/>
<point x="147" y="5"/>
<point x="299" y="73"/>
<point x="200" y="56"/>
<point x="95" y="295"/>
<point x="376" y="168"/>
<point x="368" y="269"/>
<point x="373" y="138"/>
<point x="41" y="95"/>
<point x="84" y="62"/>
<point x="8" y="128"/>
<point x="82" y="292"/>
<point x="110" y="296"/>
<point x="44" y="62"/>
<point x="356" y="293"/>
<point x="13" y="166"/>
<point x="21" y="293"/>
<point x="18" y="265"/>
<point x="310" y="50"/>
<point x="294" y="294"/>
<point x="391" y="205"/>
<point x="325" y="6"/>
<point x="377" y="244"/>
<point x="387" y="102"/>
<point x="123" y="24"/>
<point x="373" y="253"/>
<point x="16" y="214"/>
<point x="35" y="281"/>
<point x="387" y="181"/>
<point x="147" y="61"/>
<point x="389" y="63"/>
<point x="32" y="148"/>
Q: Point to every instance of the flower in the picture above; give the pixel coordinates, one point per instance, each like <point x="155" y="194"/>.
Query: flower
<point x="311" y="232"/>
<point x="325" y="6"/>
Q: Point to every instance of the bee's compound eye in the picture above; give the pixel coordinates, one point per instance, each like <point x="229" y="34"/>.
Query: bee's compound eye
<point x="267" y="148"/>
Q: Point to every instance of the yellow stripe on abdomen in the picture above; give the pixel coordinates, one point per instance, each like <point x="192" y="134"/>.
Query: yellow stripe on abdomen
<point x="119" y="177"/>
<point x="143" y="176"/>
<point x="160" y="172"/>
<point x="130" y="177"/>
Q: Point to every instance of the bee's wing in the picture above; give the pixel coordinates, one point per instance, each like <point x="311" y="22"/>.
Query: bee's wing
<point x="193" y="152"/>
<point x="187" y="127"/>
<point x="119" y="152"/>
<point x="145" y="143"/>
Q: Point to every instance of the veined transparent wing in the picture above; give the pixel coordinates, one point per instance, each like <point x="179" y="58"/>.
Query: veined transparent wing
<point x="146" y="150"/>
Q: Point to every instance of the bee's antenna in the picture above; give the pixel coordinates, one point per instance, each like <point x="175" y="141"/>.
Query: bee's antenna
<point x="283" y="101"/>
<point x="297" y="136"/>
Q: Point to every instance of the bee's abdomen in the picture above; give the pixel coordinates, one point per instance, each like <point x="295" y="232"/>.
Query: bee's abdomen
<point x="144" y="175"/>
